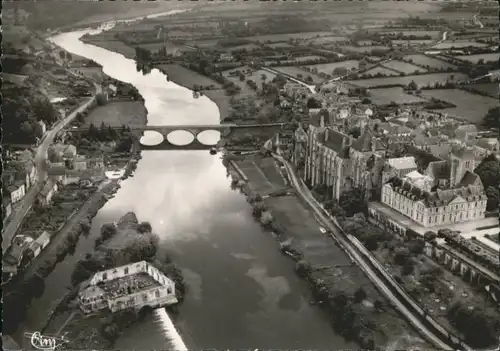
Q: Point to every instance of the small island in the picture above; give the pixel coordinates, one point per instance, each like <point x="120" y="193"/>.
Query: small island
<point x="123" y="280"/>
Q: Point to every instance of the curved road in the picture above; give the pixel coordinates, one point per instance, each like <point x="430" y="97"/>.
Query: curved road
<point x="18" y="215"/>
<point x="372" y="275"/>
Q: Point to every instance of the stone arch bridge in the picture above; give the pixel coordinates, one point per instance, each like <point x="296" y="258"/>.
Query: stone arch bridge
<point x="194" y="129"/>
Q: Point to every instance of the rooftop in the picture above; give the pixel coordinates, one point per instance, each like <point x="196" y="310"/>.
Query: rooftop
<point x="128" y="284"/>
<point x="402" y="162"/>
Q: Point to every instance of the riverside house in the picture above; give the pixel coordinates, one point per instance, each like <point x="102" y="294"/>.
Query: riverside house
<point x="39" y="244"/>
<point x="48" y="190"/>
<point x="135" y="285"/>
<point x="16" y="191"/>
<point x="6" y="207"/>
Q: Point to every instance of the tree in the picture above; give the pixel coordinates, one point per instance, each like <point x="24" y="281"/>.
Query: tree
<point x="485" y="325"/>
<point x="492" y="118"/>
<point x="101" y="99"/>
<point x="62" y="54"/>
<point x="352" y="201"/>
<point x="80" y="274"/>
<point x="302" y="268"/>
<point x="108" y="230"/>
<point x="430" y="236"/>
<point x="313" y="103"/>
<point x="144" y="227"/>
<point x="69" y="57"/>
<point x="412" y="85"/>
<point x="493" y="198"/>
<point x="360" y="295"/>
<point x="401" y="255"/>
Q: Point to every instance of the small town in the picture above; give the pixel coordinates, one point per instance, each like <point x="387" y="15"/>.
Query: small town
<point x="354" y="146"/>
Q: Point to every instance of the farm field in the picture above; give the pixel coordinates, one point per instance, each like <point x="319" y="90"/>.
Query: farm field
<point x="365" y="48"/>
<point x="404" y="67"/>
<point x="287" y="36"/>
<point x="428" y="61"/>
<point x="364" y="42"/>
<point x="206" y="43"/>
<point x="278" y="45"/>
<point x="488" y="88"/>
<point x="327" y="40"/>
<point x="294" y="71"/>
<point x="458" y="45"/>
<point x="494" y="56"/>
<point x="307" y="58"/>
<point x="240" y="47"/>
<point x="470" y="107"/>
<point x="328" y="68"/>
<point x="384" y="96"/>
<point x="171" y="47"/>
<point x="406" y="32"/>
<point x="381" y="70"/>
<point x="424" y="79"/>
<point x="412" y="42"/>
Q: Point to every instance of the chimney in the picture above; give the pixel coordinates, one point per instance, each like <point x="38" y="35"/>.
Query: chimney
<point x="321" y="120"/>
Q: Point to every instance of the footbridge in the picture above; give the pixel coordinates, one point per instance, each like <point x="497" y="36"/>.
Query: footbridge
<point x="193" y="129"/>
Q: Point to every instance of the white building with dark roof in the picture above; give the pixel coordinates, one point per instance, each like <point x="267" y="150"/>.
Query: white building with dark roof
<point x="135" y="285"/>
<point x="449" y="192"/>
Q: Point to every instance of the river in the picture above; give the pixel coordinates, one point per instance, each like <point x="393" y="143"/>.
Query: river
<point x="242" y="292"/>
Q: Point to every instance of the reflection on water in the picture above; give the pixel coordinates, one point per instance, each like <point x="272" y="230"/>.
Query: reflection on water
<point x="180" y="137"/>
<point x="241" y="291"/>
<point x="151" y="138"/>
<point x="209" y="137"/>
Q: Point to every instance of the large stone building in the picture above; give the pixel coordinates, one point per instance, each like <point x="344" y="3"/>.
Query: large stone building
<point x="449" y="192"/>
<point x="135" y="285"/>
<point x="327" y="157"/>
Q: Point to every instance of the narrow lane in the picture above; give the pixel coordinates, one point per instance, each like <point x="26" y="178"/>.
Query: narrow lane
<point x="41" y="166"/>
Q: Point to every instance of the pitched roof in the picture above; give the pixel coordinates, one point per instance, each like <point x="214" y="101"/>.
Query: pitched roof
<point x="462" y="152"/>
<point x="335" y="140"/>
<point x="402" y="162"/>
<point x="471" y="179"/>
<point x="48" y="186"/>
<point x="364" y="142"/>
<point x="439" y="169"/>
<point x="488" y="143"/>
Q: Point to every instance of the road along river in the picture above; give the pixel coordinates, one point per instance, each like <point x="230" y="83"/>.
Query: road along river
<point x="242" y="293"/>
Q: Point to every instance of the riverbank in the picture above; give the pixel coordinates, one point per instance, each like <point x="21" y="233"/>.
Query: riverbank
<point x="119" y="244"/>
<point x="358" y="311"/>
<point x="176" y="73"/>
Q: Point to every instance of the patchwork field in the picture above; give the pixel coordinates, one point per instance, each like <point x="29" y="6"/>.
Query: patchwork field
<point x="327" y="40"/>
<point x="287" y="36"/>
<point x="431" y="33"/>
<point x="403" y="67"/>
<point x="470" y="107"/>
<point x="365" y="48"/>
<point x="381" y="70"/>
<point x="420" y="80"/>
<point x="412" y="42"/>
<point x="278" y="45"/>
<point x="294" y="71"/>
<point x="428" y="61"/>
<point x="384" y="96"/>
<point x="475" y="58"/>
<point x="488" y="88"/>
<point x="328" y="68"/>
<point x="241" y="47"/>
<point x="458" y="45"/>
<point x="250" y="74"/>
<point x="307" y="58"/>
